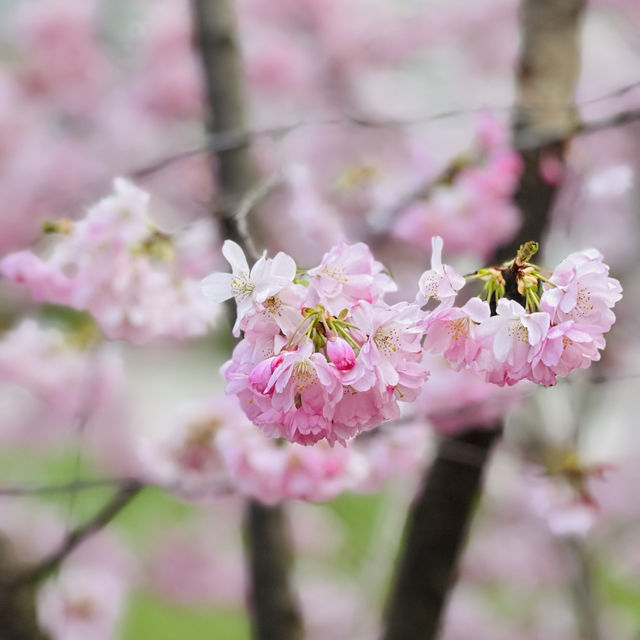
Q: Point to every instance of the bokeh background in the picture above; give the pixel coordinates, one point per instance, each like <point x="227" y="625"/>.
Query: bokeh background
<point x="356" y="104"/>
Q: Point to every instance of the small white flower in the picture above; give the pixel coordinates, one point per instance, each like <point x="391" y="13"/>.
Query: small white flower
<point x="249" y="287"/>
<point x="441" y="281"/>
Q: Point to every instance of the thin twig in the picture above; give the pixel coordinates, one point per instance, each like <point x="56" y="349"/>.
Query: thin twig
<point x="242" y="138"/>
<point x="102" y="518"/>
<point x="381" y="220"/>
<point x="67" y="487"/>
<point x="255" y="195"/>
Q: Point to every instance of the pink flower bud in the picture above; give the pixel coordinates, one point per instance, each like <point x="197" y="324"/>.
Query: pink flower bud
<point x="341" y="354"/>
<point x="261" y="374"/>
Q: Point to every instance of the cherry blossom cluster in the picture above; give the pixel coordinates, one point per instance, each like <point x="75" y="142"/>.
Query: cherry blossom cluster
<point x="530" y="326"/>
<point x="117" y="264"/>
<point x="323" y="355"/>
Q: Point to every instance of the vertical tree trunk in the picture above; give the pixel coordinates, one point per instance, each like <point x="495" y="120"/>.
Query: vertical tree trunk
<point x="273" y="607"/>
<point x="18" y="614"/>
<point x="436" y="528"/>
<point x="274" y="612"/>
<point x="546" y="78"/>
<point x="217" y="44"/>
<point x="438" y="520"/>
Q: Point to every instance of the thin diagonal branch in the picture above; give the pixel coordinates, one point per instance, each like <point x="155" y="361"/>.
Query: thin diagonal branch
<point x="102" y="518"/>
<point x="238" y="139"/>
<point x="67" y="487"/>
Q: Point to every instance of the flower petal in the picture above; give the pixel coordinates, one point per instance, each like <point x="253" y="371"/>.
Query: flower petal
<point x="217" y="287"/>
<point x="235" y="257"/>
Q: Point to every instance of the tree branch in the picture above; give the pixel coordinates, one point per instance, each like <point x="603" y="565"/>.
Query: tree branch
<point x="67" y="487"/>
<point x="217" y="44"/>
<point x="18" y="619"/>
<point x="239" y="139"/>
<point x="102" y="518"/>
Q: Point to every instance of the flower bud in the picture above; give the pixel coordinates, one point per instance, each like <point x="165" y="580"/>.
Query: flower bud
<point x="341" y="354"/>
<point x="261" y="374"/>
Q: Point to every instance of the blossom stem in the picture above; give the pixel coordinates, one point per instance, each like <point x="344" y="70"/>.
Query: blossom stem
<point x="296" y="330"/>
<point x="337" y="327"/>
<point x="546" y="280"/>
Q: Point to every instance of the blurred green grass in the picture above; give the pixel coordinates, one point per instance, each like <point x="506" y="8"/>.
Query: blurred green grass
<point x="149" y="616"/>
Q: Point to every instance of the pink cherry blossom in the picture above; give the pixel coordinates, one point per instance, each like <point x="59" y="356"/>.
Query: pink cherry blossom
<point x="45" y="281"/>
<point x="304" y="389"/>
<point x="185" y="458"/>
<point x="566" y="346"/>
<point x="582" y="291"/>
<point x="81" y="603"/>
<point x="328" y="376"/>
<point x="141" y="295"/>
<point x="88" y="596"/>
<point x="472" y="211"/>
<point x="347" y="274"/>
<point x="565" y="511"/>
<point x="270" y="472"/>
<point x="64" y="383"/>
<point x="391" y="353"/>
<point x="452" y="331"/>
<point x="509" y="336"/>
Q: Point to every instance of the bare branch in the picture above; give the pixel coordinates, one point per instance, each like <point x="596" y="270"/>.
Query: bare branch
<point x="102" y="518"/>
<point x="67" y="487"/>
<point x="241" y="138"/>
<point x="252" y="198"/>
